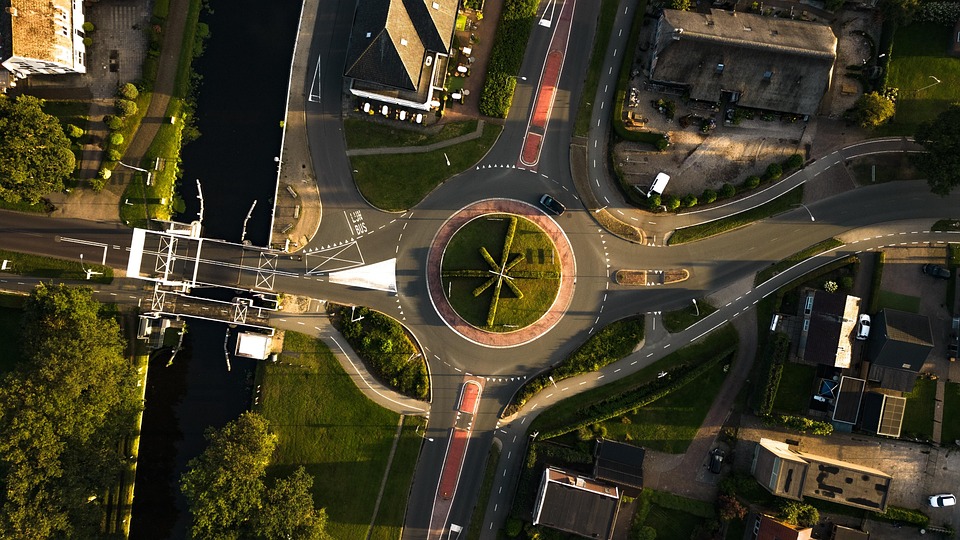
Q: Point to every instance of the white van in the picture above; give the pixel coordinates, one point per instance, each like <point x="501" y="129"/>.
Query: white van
<point x="659" y="184"/>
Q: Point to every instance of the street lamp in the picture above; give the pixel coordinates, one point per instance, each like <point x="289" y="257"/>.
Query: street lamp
<point x="149" y="174"/>
<point x="88" y="272"/>
<point x="807" y="209"/>
<point x="695" y="306"/>
<point x="598" y="210"/>
<point x="936" y="81"/>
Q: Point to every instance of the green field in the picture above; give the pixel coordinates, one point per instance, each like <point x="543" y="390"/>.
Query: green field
<point x="796" y="387"/>
<point x="672" y="524"/>
<point x="903" y="302"/>
<point x="918" y="413"/>
<point x="325" y="424"/>
<point x="951" y="413"/>
<point x="360" y="133"/>
<point x="919" y="53"/>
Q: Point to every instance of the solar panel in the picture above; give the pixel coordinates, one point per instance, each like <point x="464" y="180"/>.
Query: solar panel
<point x="891" y="419"/>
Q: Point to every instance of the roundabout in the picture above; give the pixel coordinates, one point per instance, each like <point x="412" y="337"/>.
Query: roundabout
<point x="500" y="273"/>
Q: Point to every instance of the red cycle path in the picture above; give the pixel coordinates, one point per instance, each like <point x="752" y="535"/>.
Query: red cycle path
<point x="470" y="397"/>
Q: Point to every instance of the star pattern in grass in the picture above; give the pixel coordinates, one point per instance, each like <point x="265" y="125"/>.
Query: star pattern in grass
<point x="500" y="273"/>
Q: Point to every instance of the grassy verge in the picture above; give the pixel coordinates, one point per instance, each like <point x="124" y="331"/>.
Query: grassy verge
<point x="361" y="133"/>
<point x="871" y="170"/>
<point x="11" y="311"/>
<point x="918" y="412"/>
<point x="608" y="11"/>
<point x="396" y="182"/>
<point x="780" y="266"/>
<point x="951" y="413"/>
<point x="476" y="522"/>
<point x="946" y="225"/>
<point x="681" y="319"/>
<point x="571" y="409"/>
<point x="388" y="524"/>
<point x="325" y="424"/>
<point x="39" y="266"/>
<point x="796" y="384"/>
<point x="903" y="302"/>
<point x="918" y="53"/>
<point x="698" y="232"/>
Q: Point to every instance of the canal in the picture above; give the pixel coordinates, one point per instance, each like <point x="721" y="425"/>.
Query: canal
<point x="240" y="104"/>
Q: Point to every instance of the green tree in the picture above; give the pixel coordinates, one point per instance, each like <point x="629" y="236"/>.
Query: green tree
<point x="126" y="108"/>
<point x="774" y="172"/>
<point x="115" y="139"/>
<point x="708" y="196"/>
<point x="73" y="131"/>
<point x="63" y="412"/>
<point x="729" y="508"/>
<point x="671" y="202"/>
<point x="682" y="5"/>
<point x="288" y="510"/>
<point x="872" y="110"/>
<point x="113" y="122"/>
<point x="35" y="155"/>
<point x="727" y="191"/>
<point x="800" y="514"/>
<point x="128" y="91"/>
<point x="941" y="140"/>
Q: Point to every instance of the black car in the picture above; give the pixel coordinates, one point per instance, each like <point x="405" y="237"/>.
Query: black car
<point x="716" y="460"/>
<point x="552" y="204"/>
<point x="936" y="271"/>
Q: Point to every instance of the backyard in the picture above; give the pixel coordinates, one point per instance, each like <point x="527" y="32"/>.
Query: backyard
<point x="927" y="78"/>
<point x="325" y="424"/>
<point x="918" y="413"/>
<point x="796" y="387"/>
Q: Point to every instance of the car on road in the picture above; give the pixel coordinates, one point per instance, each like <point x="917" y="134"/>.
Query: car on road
<point x="716" y="460"/>
<point x="943" y="500"/>
<point x="863" y="327"/>
<point x="552" y="204"/>
<point x="936" y="271"/>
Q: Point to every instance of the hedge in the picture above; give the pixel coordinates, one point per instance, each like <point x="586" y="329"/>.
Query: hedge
<point x="800" y="423"/>
<point x="774" y="354"/>
<point x="875" y="281"/>
<point x="506" y="56"/>
<point x="897" y="514"/>
<point x="616" y="340"/>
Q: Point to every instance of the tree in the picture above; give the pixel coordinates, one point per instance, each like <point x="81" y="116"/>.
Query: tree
<point x="115" y="139"/>
<point x="682" y="5"/>
<point x="708" y="196"/>
<point x="752" y="182"/>
<point x="941" y="140"/>
<point x="126" y="108"/>
<point x="228" y="494"/>
<point x="800" y="514"/>
<point x="35" y="155"/>
<point x="63" y="411"/>
<point x="872" y="110"/>
<point x="774" y="172"/>
<point x="729" y="508"/>
<point x="128" y="91"/>
<point x="73" y="131"/>
<point x="727" y="191"/>
<point x="645" y="533"/>
<point x="113" y="123"/>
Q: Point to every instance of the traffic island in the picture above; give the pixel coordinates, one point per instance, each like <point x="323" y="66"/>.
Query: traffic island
<point x="651" y="277"/>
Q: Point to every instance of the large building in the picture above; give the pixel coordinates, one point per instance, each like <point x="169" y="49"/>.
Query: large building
<point x="399" y="49"/>
<point x="576" y="504"/>
<point x="42" y="37"/>
<point x="899" y="345"/>
<point x="743" y="59"/>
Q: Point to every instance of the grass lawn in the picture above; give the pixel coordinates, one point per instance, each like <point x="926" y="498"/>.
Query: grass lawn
<point x="389" y="522"/>
<point x="796" y="385"/>
<point x="47" y="267"/>
<point x="11" y="311"/>
<point x="800" y="256"/>
<point x="672" y="524"/>
<point x="361" y="133"/>
<point x="538" y="255"/>
<point x="919" y="53"/>
<point x="325" y="424"/>
<point x="396" y="182"/>
<point x="681" y="319"/>
<point x="698" y="232"/>
<point x="951" y="413"/>
<point x="476" y="522"/>
<point x="918" y="413"/>
<point x="670" y="423"/>
<point x="607" y="12"/>
<point x="903" y="302"/>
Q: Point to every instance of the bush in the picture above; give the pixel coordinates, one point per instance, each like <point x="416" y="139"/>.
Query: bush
<point x="113" y="123"/>
<point x="801" y="424"/>
<point x="774" y="172"/>
<point x="88" y="27"/>
<point x="671" y="202"/>
<point x="653" y="201"/>
<point x="104" y="173"/>
<point x="73" y="131"/>
<point x="689" y="200"/>
<point x="830" y="286"/>
<point x="793" y="162"/>
<point x="115" y="139"/>
<point x="727" y="191"/>
<point x="846" y="283"/>
<point x="113" y="155"/>
<point x="801" y="514"/>
<point x="773" y="356"/>
<point x="872" y="110"/>
<point x="904" y="515"/>
<point x="752" y="182"/>
<point x="87" y="42"/>
<point x="98" y="183"/>
<point x="645" y="533"/>
<point x="513" y="527"/>
<point x="128" y="91"/>
<point x="126" y="108"/>
<point x="708" y="196"/>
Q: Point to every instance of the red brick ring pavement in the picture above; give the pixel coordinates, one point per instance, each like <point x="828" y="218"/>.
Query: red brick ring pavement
<point x="521" y="336"/>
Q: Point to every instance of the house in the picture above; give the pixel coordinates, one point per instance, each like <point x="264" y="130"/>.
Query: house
<point x="899" y="345"/>
<point x="793" y="474"/>
<point x="829" y="321"/>
<point x="749" y="60"/>
<point x="398" y="50"/>
<point x="41" y="37"/>
<point x="770" y="528"/>
<point x="882" y="414"/>
<point x="576" y="504"/>
<point x="619" y="464"/>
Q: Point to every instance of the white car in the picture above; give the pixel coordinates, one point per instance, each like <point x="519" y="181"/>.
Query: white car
<point x="863" y="327"/>
<point x="942" y="500"/>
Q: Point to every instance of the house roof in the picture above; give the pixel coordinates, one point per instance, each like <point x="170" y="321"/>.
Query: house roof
<point x="847" y="405"/>
<point x="391" y="40"/>
<point x="773" y="529"/>
<point x="900" y="340"/>
<point x="780" y="470"/>
<point x="887" y="378"/>
<point x="37" y="29"/>
<point x="829" y="336"/>
<point x="845" y="533"/>
<point x="576" y="504"/>
<point x="776" y="64"/>
<point x="882" y="414"/>
<point x="619" y="463"/>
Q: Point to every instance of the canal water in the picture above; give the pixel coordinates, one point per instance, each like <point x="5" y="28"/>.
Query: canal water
<point x="240" y="103"/>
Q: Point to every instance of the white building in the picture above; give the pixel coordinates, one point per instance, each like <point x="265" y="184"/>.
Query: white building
<point x="41" y="37"/>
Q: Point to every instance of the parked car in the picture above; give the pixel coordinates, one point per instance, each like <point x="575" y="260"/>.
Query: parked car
<point x="716" y="460"/>
<point x="936" y="271"/>
<point x="552" y="204"/>
<point x="863" y="327"/>
<point x="943" y="500"/>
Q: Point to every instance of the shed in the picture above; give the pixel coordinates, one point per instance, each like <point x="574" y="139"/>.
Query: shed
<point x="847" y="405"/>
<point x="882" y="414"/>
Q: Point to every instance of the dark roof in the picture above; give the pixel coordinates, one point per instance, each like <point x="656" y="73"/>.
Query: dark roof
<point x="882" y="414"/>
<point x="391" y="39"/>
<point x="577" y="505"/>
<point x="893" y="378"/>
<point x="847" y="405"/>
<point x="619" y="463"/>
<point x="773" y="529"/>
<point x="900" y="340"/>
<point x="776" y="64"/>
<point x="846" y="483"/>
<point x="827" y="339"/>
